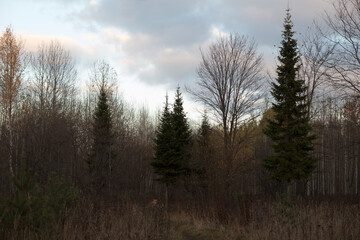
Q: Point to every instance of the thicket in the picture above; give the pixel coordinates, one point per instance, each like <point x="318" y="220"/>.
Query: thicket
<point x="33" y="211"/>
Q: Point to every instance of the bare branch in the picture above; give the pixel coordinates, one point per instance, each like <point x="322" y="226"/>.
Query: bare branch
<point x="229" y="85"/>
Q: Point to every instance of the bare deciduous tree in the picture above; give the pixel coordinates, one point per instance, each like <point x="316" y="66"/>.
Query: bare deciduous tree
<point x="54" y="76"/>
<point x="229" y="81"/>
<point x="52" y="87"/>
<point x="101" y="74"/>
<point x="315" y="53"/>
<point x="345" y="27"/>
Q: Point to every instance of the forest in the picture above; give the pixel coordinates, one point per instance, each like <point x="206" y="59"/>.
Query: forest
<point x="276" y="156"/>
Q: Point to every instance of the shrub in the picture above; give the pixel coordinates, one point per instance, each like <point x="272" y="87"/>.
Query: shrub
<point x="33" y="210"/>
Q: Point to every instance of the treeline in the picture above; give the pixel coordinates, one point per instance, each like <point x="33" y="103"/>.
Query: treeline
<point x="49" y="127"/>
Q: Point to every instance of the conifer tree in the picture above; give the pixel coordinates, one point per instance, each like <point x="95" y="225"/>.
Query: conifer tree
<point x="182" y="134"/>
<point x="290" y="129"/>
<point x="171" y="144"/>
<point x="205" y="149"/>
<point x="164" y="163"/>
<point x="100" y="160"/>
<point x="204" y="132"/>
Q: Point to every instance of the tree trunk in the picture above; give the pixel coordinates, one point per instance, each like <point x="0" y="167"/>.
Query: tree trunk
<point x="10" y="144"/>
<point x="308" y="186"/>
<point x="166" y="198"/>
<point x="288" y="189"/>
<point x="167" y="219"/>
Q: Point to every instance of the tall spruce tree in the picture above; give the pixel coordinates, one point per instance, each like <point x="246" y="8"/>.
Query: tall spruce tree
<point x="182" y="133"/>
<point x="101" y="157"/>
<point x="290" y="129"/>
<point x="171" y="142"/>
<point x="165" y="165"/>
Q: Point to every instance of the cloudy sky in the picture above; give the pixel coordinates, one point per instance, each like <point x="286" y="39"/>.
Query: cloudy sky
<point x="152" y="44"/>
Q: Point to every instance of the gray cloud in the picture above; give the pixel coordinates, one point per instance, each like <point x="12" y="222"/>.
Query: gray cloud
<point x="263" y="19"/>
<point x="164" y="36"/>
<point x="175" y="22"/>
<point x="154" y="63"/>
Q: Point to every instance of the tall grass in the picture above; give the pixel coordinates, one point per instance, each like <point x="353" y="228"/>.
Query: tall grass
<point x="335" y="219"/>
<point x="256" y="219"/>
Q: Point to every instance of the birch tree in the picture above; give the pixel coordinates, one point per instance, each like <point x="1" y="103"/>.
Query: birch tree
<point x="11" y="73"/>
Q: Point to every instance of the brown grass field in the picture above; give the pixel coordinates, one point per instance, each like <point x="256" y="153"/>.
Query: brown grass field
<point x="252" y="219"/>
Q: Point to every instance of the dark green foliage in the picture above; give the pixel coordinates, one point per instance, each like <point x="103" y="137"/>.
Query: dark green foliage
<point x="27" y="209"/>
<point x="204" y="132"/>
<point x="165" y="163"/>
<point x="61" y="195"/>
<point x="182" y="134"/>
<point x="171" y="143"/>
<point x="100" y="160"/>
<point x="290" y="129"/>
<point x="33" y="209"/>
<point x="205" y="150"/>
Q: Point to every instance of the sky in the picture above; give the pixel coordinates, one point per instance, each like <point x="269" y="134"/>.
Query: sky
<point x="154" y="45"/>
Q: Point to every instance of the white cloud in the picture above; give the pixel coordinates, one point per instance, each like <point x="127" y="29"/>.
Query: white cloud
<point x="216" y="32"/>
<point x="33" y="41"/>
<point x="116" y="35"/>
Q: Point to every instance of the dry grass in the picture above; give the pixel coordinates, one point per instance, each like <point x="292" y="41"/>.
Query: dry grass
<point x="262" y="220"/>
<point x="269" y="220"/>
<point x="121" y="220"/>
<point x="326" y="220"/>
